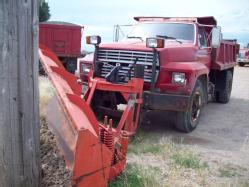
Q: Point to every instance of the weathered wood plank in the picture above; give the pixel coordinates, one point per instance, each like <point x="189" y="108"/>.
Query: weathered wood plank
<point x="19" y="115"/>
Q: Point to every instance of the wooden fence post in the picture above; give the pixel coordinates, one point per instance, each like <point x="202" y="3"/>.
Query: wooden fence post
<point x="19" y="112"/>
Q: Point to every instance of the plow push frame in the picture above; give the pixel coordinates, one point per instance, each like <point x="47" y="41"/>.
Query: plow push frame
<point x="94" y="151"/>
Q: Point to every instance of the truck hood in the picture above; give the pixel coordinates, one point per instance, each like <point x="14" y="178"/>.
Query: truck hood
<point x="141" y="46"/>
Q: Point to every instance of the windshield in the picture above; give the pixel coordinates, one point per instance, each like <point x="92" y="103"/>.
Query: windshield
<point x="171" y="31"/>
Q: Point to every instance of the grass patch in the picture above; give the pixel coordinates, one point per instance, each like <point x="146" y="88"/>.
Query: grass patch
<point x="188" y="160"/>
<point x="138" y="176"/>
<point x="228" y="171"/>
<point x="154" y="149"/>
<point x="139" y="138"/>
<point x="143" y="143"/>
<point x="130" y="177"/>
<point x="145" y="148"/>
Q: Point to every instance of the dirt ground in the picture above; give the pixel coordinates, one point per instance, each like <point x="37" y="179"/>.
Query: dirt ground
<point x="53" y="169"/>
<point x="221" y="141"/>
<point x="221" y="138"/>
<point x="223" y="128"/>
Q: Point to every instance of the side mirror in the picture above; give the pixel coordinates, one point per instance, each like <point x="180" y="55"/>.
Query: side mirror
<point x="216" y="37"/>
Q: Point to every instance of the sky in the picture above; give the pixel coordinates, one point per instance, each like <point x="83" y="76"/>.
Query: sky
<point x="99" y="16"/>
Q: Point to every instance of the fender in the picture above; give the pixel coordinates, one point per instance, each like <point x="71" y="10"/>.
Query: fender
<point x="193" y="70"/>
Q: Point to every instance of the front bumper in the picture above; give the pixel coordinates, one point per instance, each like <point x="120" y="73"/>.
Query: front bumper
<point x="169" y="102"/>
<point x="244" y="60"/>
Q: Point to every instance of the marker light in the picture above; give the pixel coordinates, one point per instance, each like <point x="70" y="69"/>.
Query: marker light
<point x="154" y="42"/>
<point x="95" y="40"/>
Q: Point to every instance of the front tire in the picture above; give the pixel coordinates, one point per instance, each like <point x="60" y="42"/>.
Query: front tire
<point x="187" y="121"/>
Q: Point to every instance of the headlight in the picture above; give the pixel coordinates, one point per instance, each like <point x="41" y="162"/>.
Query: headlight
<point x="85" y="69"/>
<point x="178" y="78"/>
<point x="95" y="40"/>
<point x="154" y="42"/>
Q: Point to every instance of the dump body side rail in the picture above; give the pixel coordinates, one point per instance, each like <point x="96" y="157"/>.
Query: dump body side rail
<point x="225" y="57"/>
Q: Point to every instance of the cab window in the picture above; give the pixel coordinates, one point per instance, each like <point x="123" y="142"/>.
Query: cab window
<point x="202" y="37"/>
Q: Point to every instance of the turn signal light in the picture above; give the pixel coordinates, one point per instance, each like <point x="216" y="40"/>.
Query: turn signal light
<point x="155" y="42"/>
<point x="95" y="40"/>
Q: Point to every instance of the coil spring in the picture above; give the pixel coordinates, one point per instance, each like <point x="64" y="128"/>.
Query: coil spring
<point x="108" y="140"/>
<point x="116" y="159"/>
<point x="102" y="135"/>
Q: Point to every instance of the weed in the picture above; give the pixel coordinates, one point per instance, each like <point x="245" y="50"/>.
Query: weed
<point x="188" y="160"/>
<point x="138" y="176"/>
<point x="130" y="177"/>
<point x="228" y="171"/>
<point x="139" y="138"/>
<point x="145" y="148"/>
<point x="154" y="149"/>
<point x="142" y="143"/>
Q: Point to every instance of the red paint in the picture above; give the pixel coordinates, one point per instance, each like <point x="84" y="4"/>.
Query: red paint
<point x="95" y="152"/>
<point x="189" y="58"/>
<point x="64" y="39"/>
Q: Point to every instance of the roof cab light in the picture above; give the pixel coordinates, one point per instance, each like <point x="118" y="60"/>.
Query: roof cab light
<point x="155" y="42"/>
<point x="178" y="78"/>
<point x="94" y="40"/>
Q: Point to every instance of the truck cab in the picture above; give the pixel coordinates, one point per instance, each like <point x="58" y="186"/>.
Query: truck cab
<point x="185" y="61"/>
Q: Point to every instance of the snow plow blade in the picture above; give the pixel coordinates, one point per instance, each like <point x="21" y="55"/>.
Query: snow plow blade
<point x="94" y="151"/>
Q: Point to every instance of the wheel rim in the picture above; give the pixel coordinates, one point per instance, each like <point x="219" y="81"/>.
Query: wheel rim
<point x="196" y="107"/>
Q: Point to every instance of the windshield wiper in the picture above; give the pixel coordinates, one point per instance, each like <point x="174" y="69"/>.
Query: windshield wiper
<point x="135" y="37"/>
<point x="168" y="37"/>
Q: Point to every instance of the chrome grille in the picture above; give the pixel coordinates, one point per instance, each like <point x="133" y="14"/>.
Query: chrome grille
<point x="109" y="59"/>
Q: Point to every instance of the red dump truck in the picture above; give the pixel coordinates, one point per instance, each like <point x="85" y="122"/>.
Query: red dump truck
<point x="164" y="64"/>
<point x="243" y="57"/>
<point x="64" y="39"/>
<point x="186" y="61"/>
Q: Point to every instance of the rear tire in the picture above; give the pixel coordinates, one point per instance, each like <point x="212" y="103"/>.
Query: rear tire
<point x="223" y="95"/>
<point x="241" y="64"/>
<point x="187" y="121"/>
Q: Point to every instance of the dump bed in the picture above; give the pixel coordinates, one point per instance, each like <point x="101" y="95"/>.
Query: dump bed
<point x="62" y="38"/>
<point x="224" y="57"/>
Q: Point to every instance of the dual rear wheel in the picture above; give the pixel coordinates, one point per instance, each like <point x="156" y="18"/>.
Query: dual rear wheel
<point x="241" y="64"/>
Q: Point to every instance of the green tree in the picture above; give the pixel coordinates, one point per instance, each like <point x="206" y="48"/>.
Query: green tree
<point x="44" y="12"/>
